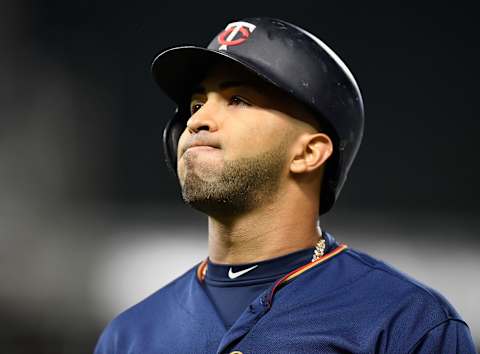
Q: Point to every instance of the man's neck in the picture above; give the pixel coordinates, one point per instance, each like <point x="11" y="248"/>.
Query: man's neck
<point x="260" y="235"/>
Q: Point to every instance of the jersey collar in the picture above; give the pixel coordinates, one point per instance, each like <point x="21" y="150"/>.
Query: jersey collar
<point x="202" y="270"/>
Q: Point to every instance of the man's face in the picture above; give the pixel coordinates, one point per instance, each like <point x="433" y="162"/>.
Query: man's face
<point x="234" y="153"/>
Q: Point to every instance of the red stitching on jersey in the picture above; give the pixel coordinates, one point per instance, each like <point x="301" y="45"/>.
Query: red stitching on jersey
<point x="296" y="272"/>
<point x="202" y="270"/>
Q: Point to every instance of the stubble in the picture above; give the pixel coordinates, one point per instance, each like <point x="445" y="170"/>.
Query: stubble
<point x="241" y="185"/>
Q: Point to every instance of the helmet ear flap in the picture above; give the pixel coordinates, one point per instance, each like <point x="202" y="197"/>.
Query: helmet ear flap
<point x="171" y="134"/>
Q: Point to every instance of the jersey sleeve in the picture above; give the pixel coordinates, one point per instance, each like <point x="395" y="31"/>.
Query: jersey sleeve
<point x="449" y="337"/>
<point x="104" y="344"/>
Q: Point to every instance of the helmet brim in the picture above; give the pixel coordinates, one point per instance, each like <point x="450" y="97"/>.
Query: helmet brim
<point x="177" y="70"/>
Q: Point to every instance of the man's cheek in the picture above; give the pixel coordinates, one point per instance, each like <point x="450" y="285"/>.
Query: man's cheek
<point x="247" y="146"/>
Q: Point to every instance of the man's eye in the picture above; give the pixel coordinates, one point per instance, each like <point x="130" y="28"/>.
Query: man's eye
<point x="237" y="100"/>
<point x="195" y="107"/>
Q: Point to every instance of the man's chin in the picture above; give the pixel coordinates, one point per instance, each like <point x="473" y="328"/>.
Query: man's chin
<point x="196" y="180"/>
<point x="203" y="166"/>
<point x="211" y="199"/>
<point x="233" y="187"/>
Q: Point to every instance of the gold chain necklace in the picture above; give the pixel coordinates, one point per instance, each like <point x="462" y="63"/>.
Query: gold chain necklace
<point x="319" y="248"/>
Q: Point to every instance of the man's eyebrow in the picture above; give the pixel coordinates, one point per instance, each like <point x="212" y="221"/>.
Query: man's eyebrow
<point x="200" y="89"/>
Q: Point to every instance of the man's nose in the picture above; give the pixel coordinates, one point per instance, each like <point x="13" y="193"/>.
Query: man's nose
<point x="204" y="119"/>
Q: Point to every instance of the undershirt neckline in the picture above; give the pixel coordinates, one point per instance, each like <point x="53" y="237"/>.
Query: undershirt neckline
<point x="265" y="272"/>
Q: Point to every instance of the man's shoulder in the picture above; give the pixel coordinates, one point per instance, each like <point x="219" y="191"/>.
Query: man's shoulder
<point x="142" y="315"/>
<point x="361" y="304"/>
<point x="367" y="284"/>
<point x="381" y="280"/>
<point x="403" y="308"/>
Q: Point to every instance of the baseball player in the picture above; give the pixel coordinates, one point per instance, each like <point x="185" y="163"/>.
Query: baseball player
<point x="268" y="123"/>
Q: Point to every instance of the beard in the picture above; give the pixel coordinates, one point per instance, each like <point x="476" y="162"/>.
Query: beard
<point x="240" y="186"/>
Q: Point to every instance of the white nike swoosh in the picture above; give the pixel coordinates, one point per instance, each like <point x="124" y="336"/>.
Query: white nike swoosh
<point x="233" y="275"/>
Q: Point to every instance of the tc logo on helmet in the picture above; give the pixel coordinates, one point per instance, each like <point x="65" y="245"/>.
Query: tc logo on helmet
<point x="240" y="29"/>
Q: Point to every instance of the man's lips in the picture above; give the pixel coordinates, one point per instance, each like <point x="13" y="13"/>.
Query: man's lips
<point x="199" y="147"/>
<point x="201" y="144"/>
<point x="202" y="147"/>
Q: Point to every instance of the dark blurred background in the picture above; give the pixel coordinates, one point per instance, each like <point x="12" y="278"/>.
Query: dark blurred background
<point x="90" y="220"/>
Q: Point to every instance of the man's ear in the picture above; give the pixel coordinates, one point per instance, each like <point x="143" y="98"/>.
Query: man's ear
<point x="311" y="152"/>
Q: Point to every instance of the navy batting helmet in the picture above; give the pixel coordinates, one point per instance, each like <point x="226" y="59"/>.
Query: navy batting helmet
<point x="287" y="57"/>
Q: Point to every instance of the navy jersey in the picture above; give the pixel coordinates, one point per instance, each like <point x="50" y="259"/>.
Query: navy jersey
<point x="345" y="302"/>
